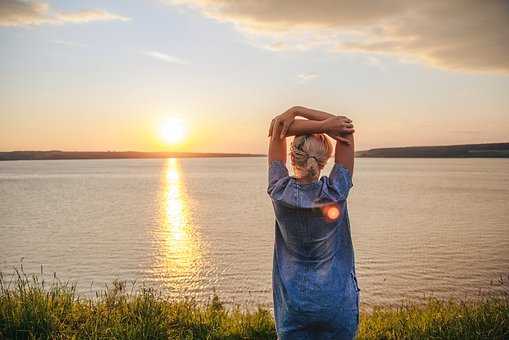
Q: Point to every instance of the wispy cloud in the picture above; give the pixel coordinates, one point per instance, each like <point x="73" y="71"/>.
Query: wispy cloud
<point x="304" y="77"/>
<point x="68" y="43"/>
<point x="33" y="13"/>
<point x="164" y="57"/>
<point x="461" y="35"/>
<point x="374" y="62"/>
<point x="88" y="16"/>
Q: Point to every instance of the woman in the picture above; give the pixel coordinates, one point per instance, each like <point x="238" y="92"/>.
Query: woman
<point x="315" y="289"/>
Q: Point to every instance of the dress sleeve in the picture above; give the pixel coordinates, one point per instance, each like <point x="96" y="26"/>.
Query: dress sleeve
<point x="277" y="172"/>
<point x="338" y="184"/>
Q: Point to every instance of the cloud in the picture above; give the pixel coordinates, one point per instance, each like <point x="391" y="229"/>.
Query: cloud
<point x="68" y="43"/>
<point x="32" y="13"/>
<point x="304" y="77"/>
<point x="88" y="15"/>
<point x="374" y="62"/>
<point x="164" y="57"/>
<point x="466" y="35"/>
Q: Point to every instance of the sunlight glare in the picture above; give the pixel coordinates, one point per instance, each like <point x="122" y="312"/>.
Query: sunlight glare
<point x="180" y="251"/>
<point x="172" y="130"/>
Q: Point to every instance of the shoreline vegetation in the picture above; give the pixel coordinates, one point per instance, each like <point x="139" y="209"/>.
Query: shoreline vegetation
<point x="31" y="308"/>
<point x="62" y="155"/>
<point x="489" y="150"/>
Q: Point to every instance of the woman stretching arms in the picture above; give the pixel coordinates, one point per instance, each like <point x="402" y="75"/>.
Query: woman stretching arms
<point x="315" y="289"/>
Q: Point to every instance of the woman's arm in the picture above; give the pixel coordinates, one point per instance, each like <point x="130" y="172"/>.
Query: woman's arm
<point x="332" y="126"/>
<point x="277" y="148"/>
<point x="337" y="127"/>
<point x="305" y="127"/>
<point x="286" y="121"/>
<point x="311" y="114"/>
<point x="344" y="154"/>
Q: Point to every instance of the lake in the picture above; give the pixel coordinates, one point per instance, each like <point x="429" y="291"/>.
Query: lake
<point x="420" y="227"/>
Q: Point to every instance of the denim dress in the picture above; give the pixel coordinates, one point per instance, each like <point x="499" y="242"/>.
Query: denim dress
<point x="315" y="289"/>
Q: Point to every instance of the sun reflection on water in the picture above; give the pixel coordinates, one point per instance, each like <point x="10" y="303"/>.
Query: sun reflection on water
<point x="179" y="243"/>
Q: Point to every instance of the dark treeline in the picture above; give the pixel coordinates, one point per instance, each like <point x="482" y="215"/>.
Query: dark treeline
<point x="492" y="150"/>
<point x="56" y="154"/>
<point x="489" y="150"/>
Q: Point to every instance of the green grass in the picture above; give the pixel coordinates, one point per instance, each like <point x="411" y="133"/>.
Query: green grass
<point x="32" y="309"/>
<point x="484" y="318"/>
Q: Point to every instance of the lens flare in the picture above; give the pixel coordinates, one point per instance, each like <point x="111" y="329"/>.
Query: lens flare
<point x="331" y="212"/>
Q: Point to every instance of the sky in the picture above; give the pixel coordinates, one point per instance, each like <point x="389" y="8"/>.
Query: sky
<point x="105" y="75"/>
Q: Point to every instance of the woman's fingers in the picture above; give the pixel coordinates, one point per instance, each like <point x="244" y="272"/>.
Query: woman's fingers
<point x="275" y="127"/>
<point x="271" y="127"/>
<point x="283" y="130"/>
<point x="346" y="119"/>
<point x="348" y="125"/>
<point x="286" y="125"/>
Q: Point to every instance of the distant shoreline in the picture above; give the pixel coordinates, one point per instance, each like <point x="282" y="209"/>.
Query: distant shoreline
<point x="488" y="150"/>
<point x="70" y="155"/>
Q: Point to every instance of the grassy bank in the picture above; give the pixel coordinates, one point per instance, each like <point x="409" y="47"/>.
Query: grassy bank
<point x="30" y="309"/>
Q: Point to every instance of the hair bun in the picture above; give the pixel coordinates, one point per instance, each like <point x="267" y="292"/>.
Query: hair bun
<point x="310" y="154"/>
<point x="312" y="167"/>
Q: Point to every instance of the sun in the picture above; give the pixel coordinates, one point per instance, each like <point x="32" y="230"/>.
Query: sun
<point x="172" y="130"/>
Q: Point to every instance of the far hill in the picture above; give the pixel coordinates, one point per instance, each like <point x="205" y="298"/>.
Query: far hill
<point x="491" y="150"/>
<point x="56" y="154"/>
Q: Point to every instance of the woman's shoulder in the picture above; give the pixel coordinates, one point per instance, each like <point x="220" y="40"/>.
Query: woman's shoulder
<point x="289" y="191"/>
<point x="336" y="186"/>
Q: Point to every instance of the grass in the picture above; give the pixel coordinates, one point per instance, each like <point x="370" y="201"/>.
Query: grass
<point x="32" y="309"/>
<point x="486" y="318"/>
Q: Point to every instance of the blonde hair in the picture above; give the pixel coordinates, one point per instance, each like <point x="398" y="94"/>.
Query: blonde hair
<point x="309" y="154"/>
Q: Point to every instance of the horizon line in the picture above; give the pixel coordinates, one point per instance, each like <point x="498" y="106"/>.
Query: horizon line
<point x="242" y="153"/>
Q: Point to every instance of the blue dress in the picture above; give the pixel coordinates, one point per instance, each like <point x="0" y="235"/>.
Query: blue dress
<point x="315" y="289"/>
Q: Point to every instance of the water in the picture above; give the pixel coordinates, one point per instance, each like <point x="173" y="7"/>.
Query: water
<point x="420" y="227"/>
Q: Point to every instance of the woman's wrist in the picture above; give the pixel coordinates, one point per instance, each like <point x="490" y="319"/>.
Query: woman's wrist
<point x="324" y="128"/>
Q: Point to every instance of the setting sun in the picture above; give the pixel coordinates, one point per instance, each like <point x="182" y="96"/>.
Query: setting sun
<point x="172" y="131"/>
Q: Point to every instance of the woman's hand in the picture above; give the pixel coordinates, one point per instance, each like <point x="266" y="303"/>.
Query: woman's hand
<point x="338" y="127"/>
<point x="285" y="120"/>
